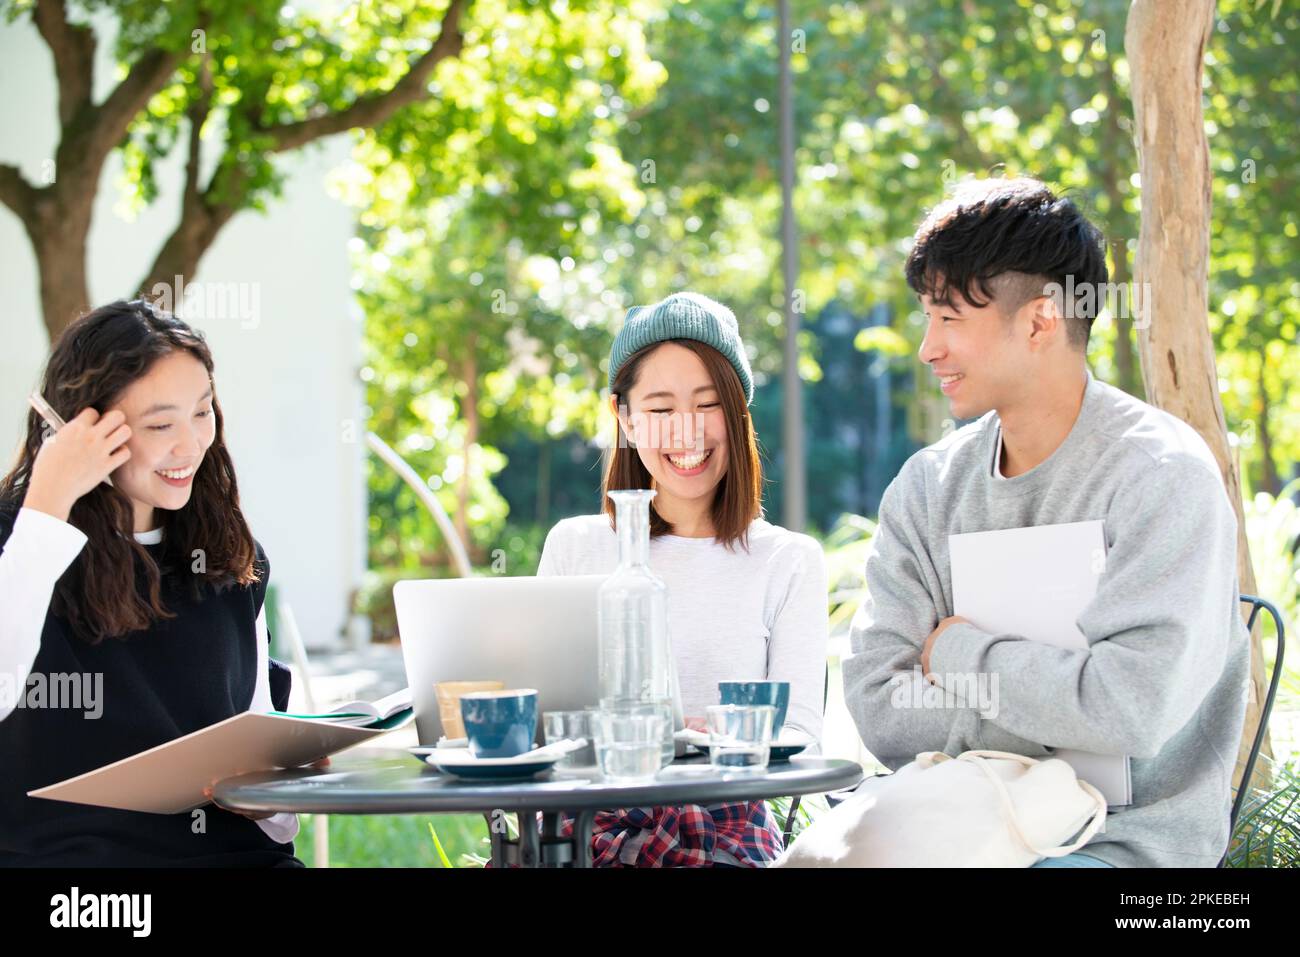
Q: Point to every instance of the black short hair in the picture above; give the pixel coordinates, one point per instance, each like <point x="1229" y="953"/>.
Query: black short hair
<point x="1007" y="239"/>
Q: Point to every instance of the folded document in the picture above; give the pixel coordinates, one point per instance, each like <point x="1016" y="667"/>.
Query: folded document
<point x="1035" y="582"/>
<point x="171" y="777"/>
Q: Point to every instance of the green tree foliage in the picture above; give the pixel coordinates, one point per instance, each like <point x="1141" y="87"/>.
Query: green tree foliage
<point x="524" y="171"/>
<point x="895" y="102"/>
<point x="253" y="80"/>
<point x="480" y="259"/>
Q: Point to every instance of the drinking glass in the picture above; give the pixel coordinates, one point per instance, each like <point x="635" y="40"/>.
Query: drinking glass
<point x="629" y="741"/>
<point x="559" y="725"/>
<point x="740" y="736"/>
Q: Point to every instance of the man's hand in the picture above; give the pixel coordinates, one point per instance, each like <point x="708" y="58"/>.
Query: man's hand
<point x="929" y="643"/>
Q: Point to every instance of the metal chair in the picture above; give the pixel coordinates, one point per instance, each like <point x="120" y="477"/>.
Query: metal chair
<point x="794" y="801"/>
<point x="1256" y="604"/>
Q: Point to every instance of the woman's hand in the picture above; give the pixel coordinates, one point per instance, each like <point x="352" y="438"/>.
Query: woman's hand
<point x="697" y="724"/>
<point x="260" y="815"/>
<point x="251" y="815"/>
<point x="75" y="459"/>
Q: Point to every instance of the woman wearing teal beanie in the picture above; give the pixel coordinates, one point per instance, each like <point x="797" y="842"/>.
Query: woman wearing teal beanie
<point x="747" y="600"/>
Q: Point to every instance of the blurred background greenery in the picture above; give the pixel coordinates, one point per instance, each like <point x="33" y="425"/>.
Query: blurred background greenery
<point x="647" y="165"/>
<point x="523" y="172"/>
<point x="632" y="153"/>
<point x="490" y="319"/>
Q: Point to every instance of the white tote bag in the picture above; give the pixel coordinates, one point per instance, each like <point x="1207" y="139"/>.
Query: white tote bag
<point x="980" y="809"/>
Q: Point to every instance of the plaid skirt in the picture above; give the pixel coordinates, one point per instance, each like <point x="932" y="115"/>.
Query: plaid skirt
<point x="691" y="835"/>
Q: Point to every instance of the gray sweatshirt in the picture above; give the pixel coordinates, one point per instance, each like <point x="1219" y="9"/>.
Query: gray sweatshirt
<point x="1165" y="677"/>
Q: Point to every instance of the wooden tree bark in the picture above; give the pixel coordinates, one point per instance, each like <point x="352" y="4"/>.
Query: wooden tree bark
<point x="1165" y="43"/>
<point x="56" y="211"/>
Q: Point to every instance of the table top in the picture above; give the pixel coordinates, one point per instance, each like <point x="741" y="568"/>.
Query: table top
<point x="384" y="781"/>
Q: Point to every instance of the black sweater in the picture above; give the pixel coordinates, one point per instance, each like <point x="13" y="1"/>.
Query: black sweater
<point x="180" y="675"/>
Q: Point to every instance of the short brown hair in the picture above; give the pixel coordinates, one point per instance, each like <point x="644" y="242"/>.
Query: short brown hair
<point x="738" y="499"/>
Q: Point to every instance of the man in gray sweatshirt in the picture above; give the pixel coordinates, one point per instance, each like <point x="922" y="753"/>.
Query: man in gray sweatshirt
<point x="1165" y="677"/>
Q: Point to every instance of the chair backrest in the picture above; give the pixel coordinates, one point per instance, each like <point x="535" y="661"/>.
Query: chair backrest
<point x="1256" y="605"/>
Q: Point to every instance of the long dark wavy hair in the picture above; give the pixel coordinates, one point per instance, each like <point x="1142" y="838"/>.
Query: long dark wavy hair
<point x="114" y="586"/>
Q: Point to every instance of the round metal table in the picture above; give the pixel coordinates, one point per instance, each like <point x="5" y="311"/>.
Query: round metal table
<point x="383" y="781"/>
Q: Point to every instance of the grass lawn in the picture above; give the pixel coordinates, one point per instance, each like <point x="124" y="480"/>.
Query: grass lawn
<point x="400" y="840"/>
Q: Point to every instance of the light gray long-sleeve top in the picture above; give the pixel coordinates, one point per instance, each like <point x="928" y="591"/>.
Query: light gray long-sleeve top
<point x="733" y="615"/>
<point x="1165" y="677"/>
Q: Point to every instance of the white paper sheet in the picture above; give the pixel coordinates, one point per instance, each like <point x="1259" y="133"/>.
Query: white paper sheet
<point x="1035" y="582"/>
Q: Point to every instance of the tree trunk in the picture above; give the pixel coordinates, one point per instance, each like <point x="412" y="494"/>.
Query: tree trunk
<point x="1165" y="45"/>
<point x="1116" y="140"/>
<point x="469" y="376"/>
<point x="794" y="477"/>
<point x="544" y="484"/>
<point x="1125" y="369"/>
<point x="58" y="229"/>
<point x="1270" y="482"/>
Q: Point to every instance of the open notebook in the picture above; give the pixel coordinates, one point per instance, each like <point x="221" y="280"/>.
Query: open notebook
<point x="170" y="777"/>
<point x="385" y="714"/>
<point x="1035" y="582"/>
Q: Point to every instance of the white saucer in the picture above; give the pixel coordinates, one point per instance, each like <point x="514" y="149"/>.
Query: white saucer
<point x="463" y="757"/>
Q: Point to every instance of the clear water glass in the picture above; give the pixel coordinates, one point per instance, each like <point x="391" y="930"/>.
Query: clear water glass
<point x="629" y="742"/>
<point x="559" y="725"/>
<point x="661" y="706"/>
<point x="740" y="736"/>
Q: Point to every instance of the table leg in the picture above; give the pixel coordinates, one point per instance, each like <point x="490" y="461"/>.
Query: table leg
<point x="530" y="853"/>
<point x="548" y="849"/>
<point x="497" y="839"/>
<point x="556" y="851"/>
<point x="582" y="838"/>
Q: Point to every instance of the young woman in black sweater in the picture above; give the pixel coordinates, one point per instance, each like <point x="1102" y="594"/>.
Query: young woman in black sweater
<point x="126" y="569"/>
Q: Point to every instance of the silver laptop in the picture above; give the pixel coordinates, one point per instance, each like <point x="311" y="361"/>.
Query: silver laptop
<point x="526" y="632"/>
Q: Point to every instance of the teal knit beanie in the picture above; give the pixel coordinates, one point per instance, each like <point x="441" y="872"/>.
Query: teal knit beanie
<point x="683" y="315"/>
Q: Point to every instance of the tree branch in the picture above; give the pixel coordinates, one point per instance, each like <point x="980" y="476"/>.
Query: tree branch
<point x="203" y="214"/>
<point x="73" y="48"/>
<point x="113" y="117"/>
<point x="202" y="218"/>
<point x="17" y="193"/>
<point x="197" y="115"/>
<point x="371" y="111"/>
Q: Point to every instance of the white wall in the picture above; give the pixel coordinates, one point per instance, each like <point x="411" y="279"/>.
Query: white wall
<point x="286" y="376"/>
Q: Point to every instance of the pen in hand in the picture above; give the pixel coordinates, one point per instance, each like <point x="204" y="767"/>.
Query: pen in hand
<point x="53" y="419"/>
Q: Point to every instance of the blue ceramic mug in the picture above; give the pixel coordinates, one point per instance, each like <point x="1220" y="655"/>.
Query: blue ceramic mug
<point x="775" y="693"/>
<point x="500" y="724"/>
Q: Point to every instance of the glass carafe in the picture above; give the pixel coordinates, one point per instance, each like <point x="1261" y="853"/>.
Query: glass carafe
<point x="635" y="657"/>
